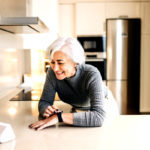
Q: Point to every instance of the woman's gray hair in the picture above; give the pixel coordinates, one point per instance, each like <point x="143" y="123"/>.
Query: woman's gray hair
<point x="68" y="45"/>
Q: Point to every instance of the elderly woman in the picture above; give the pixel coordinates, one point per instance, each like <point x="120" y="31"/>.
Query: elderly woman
<point x="76" y="83"/>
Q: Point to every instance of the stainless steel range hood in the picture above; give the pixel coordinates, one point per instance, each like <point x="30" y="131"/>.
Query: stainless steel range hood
<point x="22" y="25"/>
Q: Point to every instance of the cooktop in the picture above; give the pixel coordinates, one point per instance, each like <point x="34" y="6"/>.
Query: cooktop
<point x="33" y="95"/>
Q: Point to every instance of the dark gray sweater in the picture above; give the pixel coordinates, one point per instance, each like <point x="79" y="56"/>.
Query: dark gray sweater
<point x="85" y="90"/>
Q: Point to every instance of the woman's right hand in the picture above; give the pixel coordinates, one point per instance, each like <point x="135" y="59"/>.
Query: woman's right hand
<point x="49" y="111"/>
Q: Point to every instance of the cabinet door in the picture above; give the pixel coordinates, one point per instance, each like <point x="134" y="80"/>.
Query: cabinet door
<point x="46" y="10"/>
<point x="145" y="11"/>
<point x="90" y="18"/>
<point x="145" y="75"/>
<point x="66" y="20"/>
<point x="117" y="9"/>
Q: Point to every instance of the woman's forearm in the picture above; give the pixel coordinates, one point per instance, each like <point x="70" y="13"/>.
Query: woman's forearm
<point x="89" y="118"/>
<point x="67" y="118"/>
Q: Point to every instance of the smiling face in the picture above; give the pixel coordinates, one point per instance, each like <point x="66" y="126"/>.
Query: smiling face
<point x="62" y="65"/>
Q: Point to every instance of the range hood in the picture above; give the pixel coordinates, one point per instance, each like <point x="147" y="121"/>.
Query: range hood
<point x="22" y="25"/>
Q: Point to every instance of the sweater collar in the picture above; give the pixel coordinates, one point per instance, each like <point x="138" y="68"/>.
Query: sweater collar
<point x="76" y="76"/>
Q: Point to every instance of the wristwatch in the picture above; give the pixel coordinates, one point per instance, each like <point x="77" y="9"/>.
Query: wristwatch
<point x="59" y="113"/>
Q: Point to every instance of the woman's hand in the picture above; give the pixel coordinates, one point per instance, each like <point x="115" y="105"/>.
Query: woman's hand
<point x="49" y="111"/>
<point x="44" y="123"/>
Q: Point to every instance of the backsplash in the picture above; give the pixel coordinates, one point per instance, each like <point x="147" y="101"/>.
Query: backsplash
<point x="12" y="68"/>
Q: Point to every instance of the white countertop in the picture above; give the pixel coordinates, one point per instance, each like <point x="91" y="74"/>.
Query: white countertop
<point x="123" y="133"/>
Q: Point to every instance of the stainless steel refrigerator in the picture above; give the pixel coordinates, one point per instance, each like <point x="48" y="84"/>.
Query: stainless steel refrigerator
<point x="123" y="62"/>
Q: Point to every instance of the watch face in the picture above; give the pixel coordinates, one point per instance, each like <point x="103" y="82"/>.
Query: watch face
<point x="58" y="111"/>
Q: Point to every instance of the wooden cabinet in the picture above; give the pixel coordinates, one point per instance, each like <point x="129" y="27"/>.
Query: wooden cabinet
<point x="90" y="18"/>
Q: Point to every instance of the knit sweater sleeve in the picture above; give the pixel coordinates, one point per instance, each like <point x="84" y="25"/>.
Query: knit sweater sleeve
<point x="48" y="94"/>
<point x="95" y="116"/>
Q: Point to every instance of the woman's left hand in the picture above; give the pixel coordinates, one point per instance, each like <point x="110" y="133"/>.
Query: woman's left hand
<point x="44" y="123"/>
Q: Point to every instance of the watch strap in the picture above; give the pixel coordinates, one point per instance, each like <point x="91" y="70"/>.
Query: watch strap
<point x="59" y="115"/>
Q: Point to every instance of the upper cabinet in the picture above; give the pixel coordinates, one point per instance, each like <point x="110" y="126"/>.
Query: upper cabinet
<point x="47" y="10"/>
<point x="66" y="20"/>
<point x="123" y="9"/>
<point x="90" y="18"/>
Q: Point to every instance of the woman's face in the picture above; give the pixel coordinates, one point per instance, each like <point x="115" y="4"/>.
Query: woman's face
<point x="62" y="66"/>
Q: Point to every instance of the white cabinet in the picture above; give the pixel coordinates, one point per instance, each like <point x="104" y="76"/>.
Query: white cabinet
<point x="145" y="0"/>
<point x="145" y="11"/>
<point x="90" y="18"/>
<point x="66" y="20"/>
<point x="145" y="74"/>
<point x="47" y="11"/>
<point x="117" y="9"/>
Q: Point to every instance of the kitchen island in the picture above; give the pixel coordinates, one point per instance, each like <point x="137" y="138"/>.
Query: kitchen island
<point x="125" y="132"/>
